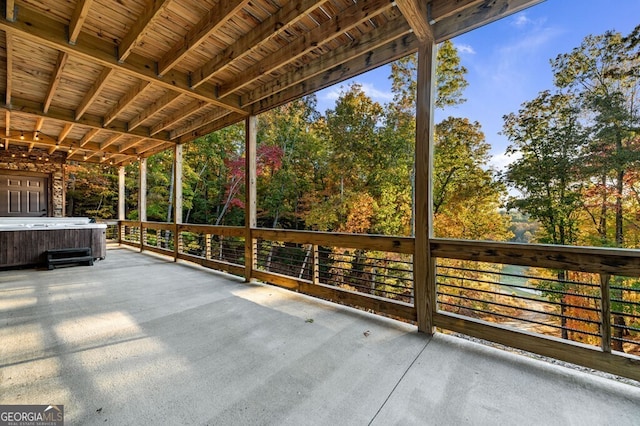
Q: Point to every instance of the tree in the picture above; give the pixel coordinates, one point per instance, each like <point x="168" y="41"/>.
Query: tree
<point x="603" y="73"/>
<point x="547" y="134"/>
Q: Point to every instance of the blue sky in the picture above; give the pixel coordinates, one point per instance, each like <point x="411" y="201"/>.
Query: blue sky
<point x="508" y="61"/>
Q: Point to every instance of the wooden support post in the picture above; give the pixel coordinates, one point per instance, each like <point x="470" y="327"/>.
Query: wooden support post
<point x="142" y="194"/>
<point x="207" y="249"/>
<point x="250" y="174"/>
<point x="423" y="264"/>
<point x="316" y="265"/>
<point x="142" y="200"/>
<point x="605" y="312"/>
<point x="121" y="193"/>
<point x="142" y="235"/>
<point x="177" y="199"/>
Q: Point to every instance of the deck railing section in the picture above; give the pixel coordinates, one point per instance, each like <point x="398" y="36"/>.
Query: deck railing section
<point x="580" y="305"/>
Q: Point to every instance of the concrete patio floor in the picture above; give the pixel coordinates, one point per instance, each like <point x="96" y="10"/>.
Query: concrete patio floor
<point x="139" y="339"/>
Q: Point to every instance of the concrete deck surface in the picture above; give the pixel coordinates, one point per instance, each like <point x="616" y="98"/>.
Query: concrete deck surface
<point x="138" y="339"/>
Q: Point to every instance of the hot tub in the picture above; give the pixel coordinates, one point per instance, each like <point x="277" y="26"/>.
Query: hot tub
<point x="25" y="240"/>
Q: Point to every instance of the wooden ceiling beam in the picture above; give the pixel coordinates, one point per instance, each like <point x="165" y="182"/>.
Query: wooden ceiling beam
<point x="351" y="17"/>
<point x="180" y="115"/>
<point x="33" y="109"/>
<point x="73" y="145"/>
<point x="126" y="100"/>
<point x="377" y="38"/>
<point x="215" y="18"/>
<point x="287" y="15"/>
<point x="149" y="152"/>
<point x="80" y="14"/>
<point x="55" y="80"/>
<point x="480" y="14"/>
<point x="39" y="124"/>
<point x="214" y="126"/>
<point x="153" y="109"/>
<point x="137" y="31"/>
<point x="88" y="136"/>
<point x="441" y="9"/>
<point x="373" y="59"/>
<point x="65" y="132"/>
<point x="198" y="123"/>
<point x="416" y="14"/>
<point x="130" y="144"/>
<point x="9" y="50"/>
<point x="10" y="10"/>
<point x="147" y="147"/>
<point x="93" y="92"/>
<point x="7" y="123"/>
<point x="111" y="140"/>
<point x="47" y="32"/>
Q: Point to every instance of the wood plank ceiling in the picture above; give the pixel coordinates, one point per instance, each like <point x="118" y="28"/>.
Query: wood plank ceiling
<point x="107" y="80"/>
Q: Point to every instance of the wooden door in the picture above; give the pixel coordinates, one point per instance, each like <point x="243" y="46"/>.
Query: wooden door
<point x="23" y="195"/>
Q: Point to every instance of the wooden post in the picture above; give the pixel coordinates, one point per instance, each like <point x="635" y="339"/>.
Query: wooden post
<point x="177" y="199"/>
<point x="250" y="174"/>
<point x="605" y="312"/>
<point x="121" y="193"/>
<point x="423" y="265"/>
<point x="316" y="265"/>
<point x="207" y="249"/>
<point x="142" y="200"/>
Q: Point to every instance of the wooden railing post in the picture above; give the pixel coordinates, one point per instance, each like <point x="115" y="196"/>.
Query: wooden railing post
<point x="423" y="264"/>
<point x="250" y="174"/>
<point x="605" y="312"/>
<point x="207" y="248"/>
<point x="142" y="236"/>
<point x="315" y="272"/>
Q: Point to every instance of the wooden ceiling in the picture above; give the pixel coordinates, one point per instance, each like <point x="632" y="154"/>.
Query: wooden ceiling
<point x="113" y="80"/>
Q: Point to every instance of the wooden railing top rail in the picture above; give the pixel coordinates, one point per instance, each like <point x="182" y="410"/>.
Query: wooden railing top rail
<point x="614" y="261"/>
<point x="227" y="231"/>
<point x="336" y="239"/>
<point x="159" y="226"/>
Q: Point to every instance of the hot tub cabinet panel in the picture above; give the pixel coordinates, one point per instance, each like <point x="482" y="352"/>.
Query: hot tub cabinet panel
<point x="27" y="245"/>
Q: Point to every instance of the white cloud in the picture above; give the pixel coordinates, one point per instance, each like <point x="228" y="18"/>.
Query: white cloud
<point x="501" y="161"/>
<point x="520" y="20"/>
<point x="465" y="48"/>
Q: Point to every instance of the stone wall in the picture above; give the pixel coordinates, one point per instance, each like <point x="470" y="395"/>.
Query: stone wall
<point x="52" y="165"/>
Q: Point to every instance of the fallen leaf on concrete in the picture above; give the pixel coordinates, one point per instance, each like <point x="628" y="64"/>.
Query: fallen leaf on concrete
<point x="366" y="333"/>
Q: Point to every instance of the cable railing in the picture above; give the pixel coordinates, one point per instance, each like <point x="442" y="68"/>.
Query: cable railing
<point x="577" y="304"/>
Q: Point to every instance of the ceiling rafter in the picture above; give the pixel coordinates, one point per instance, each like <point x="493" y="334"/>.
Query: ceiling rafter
<point x="65" y="132"/>
<point x="441" y="9"/>
<point x="48" y="32"/>
<point x="130" y="144"/>
<point x="363" y="63"/>
<point x="33" y="109"/>
<point x="476" y="16"/>
<point x="210" y="23"/>
<point x="137" y="31"/>
<point x="55" y="80"/>
<point x="9" y="50"/>
<point x="153" y="109"/>
<point x="10" y="10"/>
<point x="353" y="16"/>
<point x="290" y="13"/>
<point x="126" y="100"/>
<point x="77" y="20"/>
<point x="7" y="123"/>
<point x="365" y="44"/>
<point x="147" y="147"/>
<point x="416" y="14"/>
<point x="93" y="92"/>
<point x="88" y="136"/>
<point x="197" y="123"/>
<point x="111" y="140"/>
<point x="214" y="126"/>
<point x="182" y="114"/>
